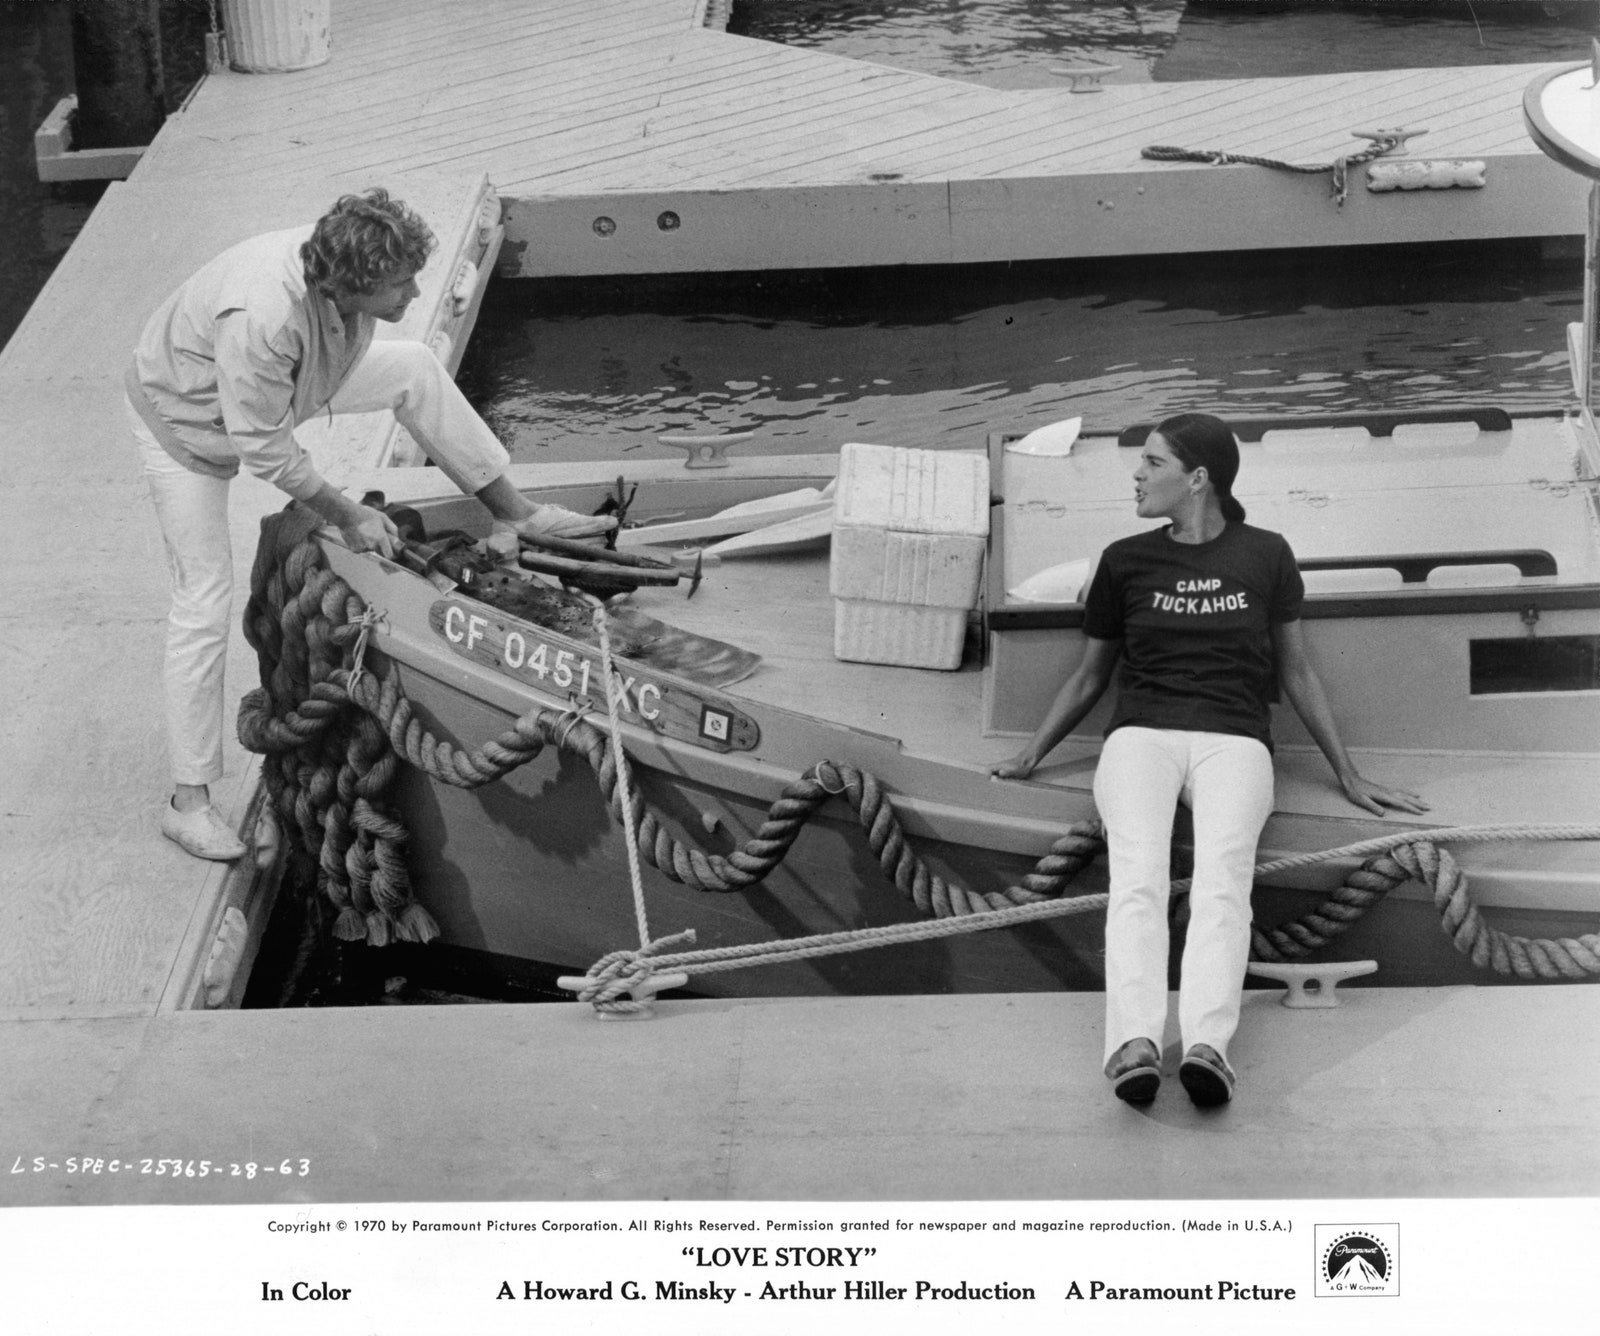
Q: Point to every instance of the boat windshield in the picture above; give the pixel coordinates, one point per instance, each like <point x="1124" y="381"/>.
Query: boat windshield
<point x="1562" y="113"/>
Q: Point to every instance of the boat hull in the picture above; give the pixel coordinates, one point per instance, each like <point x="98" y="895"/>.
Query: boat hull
<point x="534" y="867"/>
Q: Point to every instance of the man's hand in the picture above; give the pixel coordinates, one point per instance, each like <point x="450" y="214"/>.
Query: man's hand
<point x="369" y="530"/>
<point x="558" y="522"/>
<point x="362" y="528"/>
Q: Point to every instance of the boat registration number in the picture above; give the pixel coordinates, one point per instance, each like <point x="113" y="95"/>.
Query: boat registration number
<point x="520" y="650"/>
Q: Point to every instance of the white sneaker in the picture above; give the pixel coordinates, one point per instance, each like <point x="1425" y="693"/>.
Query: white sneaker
<point x="202" y="833"/>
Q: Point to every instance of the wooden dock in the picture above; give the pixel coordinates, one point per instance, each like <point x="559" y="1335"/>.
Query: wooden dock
<point x="1418" y="1092"/>
<point x="578" y="109"/>
<point x="628" y="136"/>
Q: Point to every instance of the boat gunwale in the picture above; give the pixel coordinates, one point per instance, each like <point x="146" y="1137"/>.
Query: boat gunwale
<point x="1350" y="606"/>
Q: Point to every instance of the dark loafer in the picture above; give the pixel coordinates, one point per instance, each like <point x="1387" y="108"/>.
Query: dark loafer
<point x="1135" y="1071"/>
<point x="1206" y="1076"/>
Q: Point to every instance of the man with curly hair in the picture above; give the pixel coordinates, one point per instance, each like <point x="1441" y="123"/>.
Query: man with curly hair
<point x="271" y="333"/>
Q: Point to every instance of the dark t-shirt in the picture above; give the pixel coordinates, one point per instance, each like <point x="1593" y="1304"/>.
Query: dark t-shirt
<point x="1195" y="620"/>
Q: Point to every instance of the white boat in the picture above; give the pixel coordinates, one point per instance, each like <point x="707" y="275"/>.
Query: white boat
<point x="1452" y="563"/>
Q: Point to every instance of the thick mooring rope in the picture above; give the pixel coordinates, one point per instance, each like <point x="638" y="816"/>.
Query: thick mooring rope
<point x="619" y="973"/>
<point x="1339" y="167"/>
<point x="334" y="736"/>
<point x="328" y="767"/>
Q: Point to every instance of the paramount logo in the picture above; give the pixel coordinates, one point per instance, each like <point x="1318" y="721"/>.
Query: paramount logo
<point x="1355" y="1261"/>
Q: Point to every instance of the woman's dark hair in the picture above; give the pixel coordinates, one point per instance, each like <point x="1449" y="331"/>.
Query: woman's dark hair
<point x="363" y="242"/>
<point x="1198" y="439"/>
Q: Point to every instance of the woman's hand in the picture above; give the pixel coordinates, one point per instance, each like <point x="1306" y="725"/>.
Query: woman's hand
<point x="370" y="530"/>
<point x="1377" y="798"/>
<point x="1016" y="768"/>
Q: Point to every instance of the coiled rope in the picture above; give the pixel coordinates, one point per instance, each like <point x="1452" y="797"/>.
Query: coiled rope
<point x="334" y="736"/>
<point x="1339" y="167"/>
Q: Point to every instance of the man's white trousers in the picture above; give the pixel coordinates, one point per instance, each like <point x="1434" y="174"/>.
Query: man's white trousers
<point x="394" y="374"/>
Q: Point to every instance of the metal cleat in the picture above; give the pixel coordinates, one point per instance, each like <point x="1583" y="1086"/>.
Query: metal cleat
<point x="706" y="452"/>
<point x="1394" y="136"/>
<point x="643" y="993"/>
<point x="1086" y="75"/>
<point x="1312" y="985"/>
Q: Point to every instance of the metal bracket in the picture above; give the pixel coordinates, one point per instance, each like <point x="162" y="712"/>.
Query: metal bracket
<point x="1312" y="985"/>
<point x="706" y="452"/>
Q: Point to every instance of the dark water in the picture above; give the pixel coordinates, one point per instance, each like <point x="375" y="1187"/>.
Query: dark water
<point x="1013" y="43"/>
<point x="939" y="357"/>
<point x="38" y="222"/>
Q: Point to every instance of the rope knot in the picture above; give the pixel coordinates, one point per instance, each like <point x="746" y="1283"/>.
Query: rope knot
<point x="369" y="618"/>
<point x="627" y="971"/>
<point x="815" y="775"/>
<point x="568" y="720"/>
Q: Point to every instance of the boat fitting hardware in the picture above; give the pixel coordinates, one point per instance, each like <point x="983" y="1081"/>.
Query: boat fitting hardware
<point x="668" y="221"/>
<point x="1085" y="76"/>
<point x="1312" y="986"/>
<point x="1530" y="619"/>
<point x="1395" y="137"/>
<point x="643" y="993"/>
<point x="604" y="227"/>
<point x="705" y="452"/>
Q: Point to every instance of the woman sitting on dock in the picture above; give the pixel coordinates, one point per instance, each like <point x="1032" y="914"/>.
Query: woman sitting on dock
<point x="272" y="332"/>
<point x="1203" y="614"/>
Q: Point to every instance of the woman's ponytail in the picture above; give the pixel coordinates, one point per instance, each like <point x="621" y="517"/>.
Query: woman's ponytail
<point x="1200" y="440"/>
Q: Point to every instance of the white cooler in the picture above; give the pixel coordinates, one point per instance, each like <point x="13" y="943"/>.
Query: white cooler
<point x="909" y="532"/>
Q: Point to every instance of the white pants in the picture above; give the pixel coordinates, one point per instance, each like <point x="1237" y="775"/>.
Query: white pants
<point x="1227" y="783"/>
<point x="192" y="508"/>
